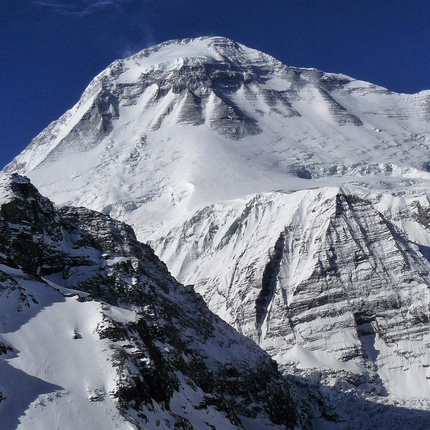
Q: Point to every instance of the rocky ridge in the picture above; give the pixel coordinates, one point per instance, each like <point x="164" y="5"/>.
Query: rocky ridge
<point x="172" y="363"/>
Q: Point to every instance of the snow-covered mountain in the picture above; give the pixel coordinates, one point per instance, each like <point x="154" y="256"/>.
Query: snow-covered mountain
<point x="189" y="123"/>
<point x="96" y="334"/>
<point x="295" y="201"/>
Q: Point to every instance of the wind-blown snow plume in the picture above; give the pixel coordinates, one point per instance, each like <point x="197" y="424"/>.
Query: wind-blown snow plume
<point x="80" y="7"/>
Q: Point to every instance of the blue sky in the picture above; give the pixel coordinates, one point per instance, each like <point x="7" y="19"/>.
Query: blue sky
<point x="51" y="49"/>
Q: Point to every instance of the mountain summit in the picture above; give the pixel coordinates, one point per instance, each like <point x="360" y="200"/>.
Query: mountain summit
<point x="190" y="122"/>
<point x="295" y="201"/>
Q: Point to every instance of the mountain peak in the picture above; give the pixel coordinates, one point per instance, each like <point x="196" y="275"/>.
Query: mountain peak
<point x="211" y="117"/>
<point x="216" y="46"/>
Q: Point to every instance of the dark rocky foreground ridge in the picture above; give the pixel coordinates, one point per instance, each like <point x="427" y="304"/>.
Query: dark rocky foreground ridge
<point x="174" y="347"/>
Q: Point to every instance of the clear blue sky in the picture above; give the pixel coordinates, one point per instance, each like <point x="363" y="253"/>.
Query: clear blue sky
<point x="51" y="49"/>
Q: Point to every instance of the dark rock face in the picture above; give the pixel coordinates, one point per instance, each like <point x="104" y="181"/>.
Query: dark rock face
<point x="23" y="223"/>
<point x="175" y="345"/>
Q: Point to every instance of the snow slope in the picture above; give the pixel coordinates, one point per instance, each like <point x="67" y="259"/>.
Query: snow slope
<point x="59" y="373"/>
